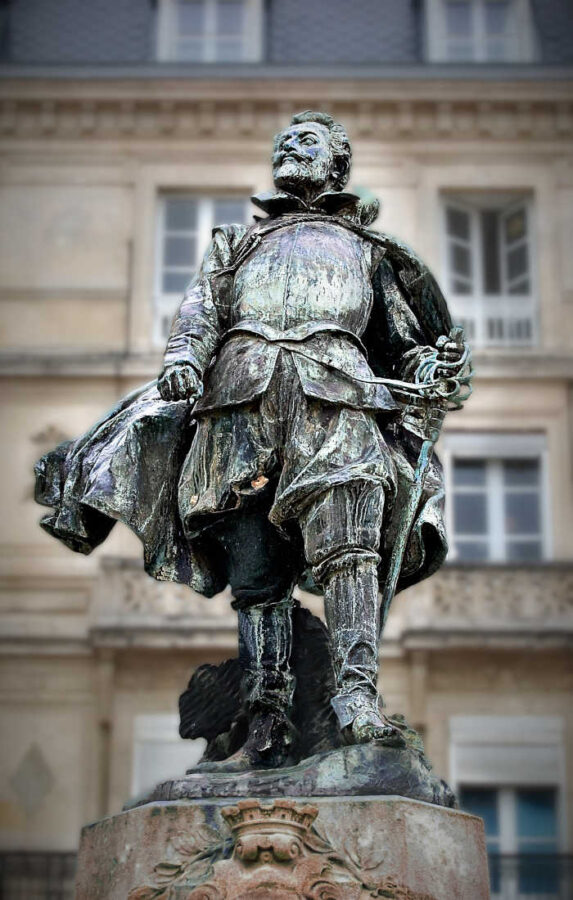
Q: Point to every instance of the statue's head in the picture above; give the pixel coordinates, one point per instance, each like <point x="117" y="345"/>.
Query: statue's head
<point x="312" y="155"/>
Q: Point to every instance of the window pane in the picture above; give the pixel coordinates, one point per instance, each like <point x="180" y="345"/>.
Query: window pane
<point x="515" y="226"/>
<point x="495" y="871"/>
<point x="496" y="16"/>
<point x="482" y="802"/>
<point x="229" y="50"/>
<point x="180" y="214"/>
<point x="469" y="471"/>
<point x="522" y="513"/>
<point x="458" y="18"/>
<point x="191" y="49"/>
<point x="497" y="50"/>
<point x="523" y="551"/>
<point x="179" y="251"/>
<point x="229" y="17"/>
<point x="460" y="51"/>
<point x="460" y="259"/>
<point x="538" y="877"/>
<point x="522" y="287"/>
<point x="461" y="287"/>
<point x="472" y="551"/>
<point x="458" y="223"/>
<point x="489" y="220"/>
<point x="536" y="813"/>
<point x="229" y="212"/>
<point x="175" y="282"/>
<point x="517" y="262"/>
<point x="521" y="472"/>
<point x="191" y="16"/>
<point x="470" y="514"/>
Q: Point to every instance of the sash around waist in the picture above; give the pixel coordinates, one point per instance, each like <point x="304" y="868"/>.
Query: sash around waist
<point x="329" y="361"/>
<point x="297" y="333"/>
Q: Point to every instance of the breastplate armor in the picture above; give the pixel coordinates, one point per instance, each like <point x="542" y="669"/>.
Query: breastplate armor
<point x="308" y="283"/>
<point x="303" y="273"/>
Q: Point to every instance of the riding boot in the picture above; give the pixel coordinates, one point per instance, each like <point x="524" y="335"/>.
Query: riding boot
<point x="350" y="583"/>
<point x="265" y="644"/>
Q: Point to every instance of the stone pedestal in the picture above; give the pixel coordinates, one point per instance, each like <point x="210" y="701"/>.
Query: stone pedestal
<point x="321" y="848"/>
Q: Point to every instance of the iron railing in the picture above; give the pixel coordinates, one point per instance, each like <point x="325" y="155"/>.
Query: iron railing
<point x="541" y="876"/>
<point x="37" y="876"/>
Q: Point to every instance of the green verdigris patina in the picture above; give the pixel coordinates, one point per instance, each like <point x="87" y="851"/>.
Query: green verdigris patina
<point x="288" y="438"/>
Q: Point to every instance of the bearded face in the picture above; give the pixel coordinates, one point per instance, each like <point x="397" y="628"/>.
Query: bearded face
<point x="302" y="160"/>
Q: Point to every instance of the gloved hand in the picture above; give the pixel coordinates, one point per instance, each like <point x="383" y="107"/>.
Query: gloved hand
<point x="179" y="381"/>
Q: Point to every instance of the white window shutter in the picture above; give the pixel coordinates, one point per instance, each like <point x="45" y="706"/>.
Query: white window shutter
<point x="515" y="236"/>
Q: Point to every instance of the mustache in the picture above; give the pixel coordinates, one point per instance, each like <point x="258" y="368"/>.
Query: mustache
<point x="282" y="155"/>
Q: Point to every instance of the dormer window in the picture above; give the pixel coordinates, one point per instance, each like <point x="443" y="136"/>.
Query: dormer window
<point x="479" y="31"/>
<point x="209" y="31"/>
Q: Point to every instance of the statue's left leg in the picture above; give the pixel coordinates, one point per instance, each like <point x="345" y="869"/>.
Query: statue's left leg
<point x="262" y="567"/>
<point x="341" y="533"/>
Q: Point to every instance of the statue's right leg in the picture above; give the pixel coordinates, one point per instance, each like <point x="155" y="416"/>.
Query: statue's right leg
<point x="262" y="568"/>
<point x="341" y="532"/>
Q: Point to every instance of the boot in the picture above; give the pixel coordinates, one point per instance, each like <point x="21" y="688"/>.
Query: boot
<point x="350" y="583"/>
<point x="265" y="644"/>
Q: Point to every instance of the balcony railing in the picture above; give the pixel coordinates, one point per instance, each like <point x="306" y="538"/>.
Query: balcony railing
<point x="465" y="605"/>
<point x="531" y="877"/>
<point x="37" y="876"/>
<point x="494" y="604"/>
<point x="500" y="321"/>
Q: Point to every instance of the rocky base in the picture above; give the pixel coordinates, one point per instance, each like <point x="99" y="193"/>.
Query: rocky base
<point x="362" y="770"/>
<point x="336" y="848"/>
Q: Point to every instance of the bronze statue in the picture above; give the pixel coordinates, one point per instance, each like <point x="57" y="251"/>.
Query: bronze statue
<point x="288" y="438"/>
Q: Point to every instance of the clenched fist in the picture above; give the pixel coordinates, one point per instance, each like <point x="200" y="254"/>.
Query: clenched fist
<point x="179" y="381"/>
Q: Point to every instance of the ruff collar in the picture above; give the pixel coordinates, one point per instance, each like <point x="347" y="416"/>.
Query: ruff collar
<point x="333" y="203"/>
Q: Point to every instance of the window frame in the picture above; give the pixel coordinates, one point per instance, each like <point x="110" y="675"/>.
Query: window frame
<point x="544" y="734"/>
<point x="478" y="306"/>
<point x="166" y="34"/>
<point x="497" y="447"/>
<point x="166" y="304"/>
<point x="507" y="843"/>
<point x="525" y="44"/>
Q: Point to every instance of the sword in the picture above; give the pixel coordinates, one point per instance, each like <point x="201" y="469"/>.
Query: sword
<point x="451" y="392"/>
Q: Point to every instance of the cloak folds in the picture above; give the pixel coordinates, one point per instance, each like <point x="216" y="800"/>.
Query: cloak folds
<point x="127" y="467"/>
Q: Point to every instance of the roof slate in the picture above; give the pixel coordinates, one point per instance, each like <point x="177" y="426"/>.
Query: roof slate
<point x="297" y="32"/>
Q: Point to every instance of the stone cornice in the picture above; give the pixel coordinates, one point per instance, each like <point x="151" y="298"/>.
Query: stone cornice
<point x="183" y="108"/>
<point x="264" y="72"/>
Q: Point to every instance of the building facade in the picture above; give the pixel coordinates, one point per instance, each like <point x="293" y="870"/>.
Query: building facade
<point x="129" y="129"/>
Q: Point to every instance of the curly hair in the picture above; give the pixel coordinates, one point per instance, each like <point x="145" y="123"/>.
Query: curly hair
<point x="339" y="143"/>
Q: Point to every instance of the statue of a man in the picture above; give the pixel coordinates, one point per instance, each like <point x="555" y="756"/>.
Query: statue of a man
<point x="273" y="442"/>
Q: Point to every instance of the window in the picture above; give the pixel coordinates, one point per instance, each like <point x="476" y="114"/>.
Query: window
<point x="208" y="31"/>
<point x="510" y="771"/>
<point x="521" y="837"/>
<point x="495" y="31"/>
<point x="488" y="268"/>
<point x="497" y="497"/>
<point x="184" y="230"/>
<point x="159" y="753"/>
